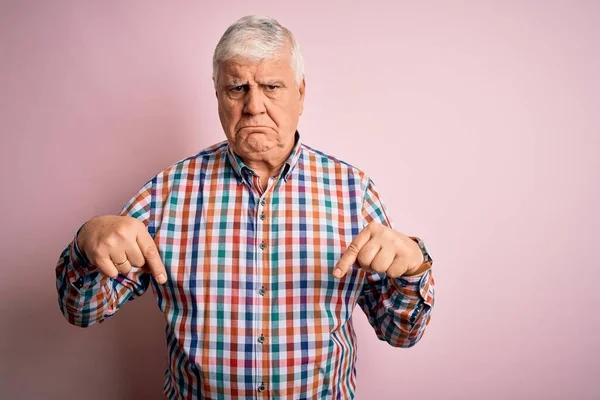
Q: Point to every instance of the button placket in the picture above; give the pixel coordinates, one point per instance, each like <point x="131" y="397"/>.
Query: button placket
<point x="259" y="326"/>
<point x="262" y="262"/>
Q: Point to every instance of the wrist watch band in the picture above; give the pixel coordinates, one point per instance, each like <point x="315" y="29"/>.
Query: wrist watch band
<point x="427" y="260"/>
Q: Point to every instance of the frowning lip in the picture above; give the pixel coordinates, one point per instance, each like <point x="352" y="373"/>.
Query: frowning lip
<point x="256" y="129"/>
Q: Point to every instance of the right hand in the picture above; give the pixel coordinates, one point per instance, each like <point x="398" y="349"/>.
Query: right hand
<point x="109" y="240"/>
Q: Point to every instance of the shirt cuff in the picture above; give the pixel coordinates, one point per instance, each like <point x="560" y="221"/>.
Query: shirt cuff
<point x="417" y="286"/>
<point x="84" y="273"/>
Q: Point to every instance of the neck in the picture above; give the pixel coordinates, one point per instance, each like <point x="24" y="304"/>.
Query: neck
<point x="268" y="165"/>
<point x="265" y="168"/>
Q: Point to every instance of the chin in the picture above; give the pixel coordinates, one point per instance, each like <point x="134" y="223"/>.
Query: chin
<point x="257" y="139"/>
<point x="257" y="146"/>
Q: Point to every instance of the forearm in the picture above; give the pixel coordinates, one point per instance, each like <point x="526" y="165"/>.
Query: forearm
<point x="86" y="296"/>
<point x="399" y="309"/>
<point x="83" y="293"/>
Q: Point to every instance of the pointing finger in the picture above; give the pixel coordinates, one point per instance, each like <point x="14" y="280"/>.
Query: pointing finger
<point x="349" y="257"/>
<point x="152" y="256"/>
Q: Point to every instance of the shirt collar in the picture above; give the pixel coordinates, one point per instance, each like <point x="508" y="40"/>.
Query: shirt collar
<point x="242" y="171"/>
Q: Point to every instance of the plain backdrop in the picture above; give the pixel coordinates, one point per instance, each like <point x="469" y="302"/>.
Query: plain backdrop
<point x="478" y="120"/>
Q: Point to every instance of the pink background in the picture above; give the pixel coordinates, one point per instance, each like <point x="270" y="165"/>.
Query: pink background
<point x="478" y="120"/>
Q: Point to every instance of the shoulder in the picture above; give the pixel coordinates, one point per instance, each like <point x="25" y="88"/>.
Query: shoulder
<point x="322" y="161"/>
<point x="210" y="154"/>
<point x="195" y="164"/>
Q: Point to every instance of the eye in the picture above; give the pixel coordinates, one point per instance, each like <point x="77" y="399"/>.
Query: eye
<point x="238" y="89"/>
<point x="271" y="88"/>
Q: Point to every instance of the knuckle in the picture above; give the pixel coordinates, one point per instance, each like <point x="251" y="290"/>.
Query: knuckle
<point x="130" y="222"/>
<point x="150" y="252"/>
<point x="374" y="226"/>
<point x="112" y="240"/>
<point x="353" y="248"/>
<point x="390" y="235"/>
<point x="397" y="241"/>
<point x="377" y="267"/>
<point x="391" y="273"/>
<point x="122" y="231"/>
<point x="364" y="261"/>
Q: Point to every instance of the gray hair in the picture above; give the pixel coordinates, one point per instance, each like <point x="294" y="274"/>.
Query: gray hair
<point x="257" y="38"/>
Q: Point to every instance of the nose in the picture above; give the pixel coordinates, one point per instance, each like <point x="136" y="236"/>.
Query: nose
<point x="254" y="102"/>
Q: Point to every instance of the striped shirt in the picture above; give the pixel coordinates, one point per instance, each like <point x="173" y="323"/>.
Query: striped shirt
<point x="252" y="307"/>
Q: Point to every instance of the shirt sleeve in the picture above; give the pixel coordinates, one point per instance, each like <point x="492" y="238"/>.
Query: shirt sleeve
<point x="85" y="296"/>
<point x="398" y="309"/>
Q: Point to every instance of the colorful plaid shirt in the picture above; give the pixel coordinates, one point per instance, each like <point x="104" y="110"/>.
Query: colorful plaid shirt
<point x="251" y="305"/>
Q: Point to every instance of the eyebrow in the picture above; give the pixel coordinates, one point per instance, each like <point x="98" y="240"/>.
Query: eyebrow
<point x="235" y="83"/>
<point x="277" y="82"/>
<point x="267" y="82"/>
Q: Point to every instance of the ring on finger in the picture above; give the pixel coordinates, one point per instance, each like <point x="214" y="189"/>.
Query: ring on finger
<point x="121" y="263"/>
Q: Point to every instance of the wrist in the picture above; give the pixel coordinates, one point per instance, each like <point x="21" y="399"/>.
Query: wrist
<point x="425" y="259"/>
<point x="79" y="251"/>
<point x="419" y="271"/>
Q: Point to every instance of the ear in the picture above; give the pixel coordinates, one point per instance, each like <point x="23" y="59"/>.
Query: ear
<point x="215" y="86"/>
<point x="302" y="90"/>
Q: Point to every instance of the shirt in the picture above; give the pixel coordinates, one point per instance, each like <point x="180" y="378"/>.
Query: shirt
<point x="251" y="305"/>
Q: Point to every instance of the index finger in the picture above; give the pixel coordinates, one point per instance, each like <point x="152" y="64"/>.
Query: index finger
<point x="349" y="257"/>
<point x="152" y="256"/>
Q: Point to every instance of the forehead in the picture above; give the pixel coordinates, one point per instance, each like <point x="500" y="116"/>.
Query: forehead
<point x="242" y="68"/>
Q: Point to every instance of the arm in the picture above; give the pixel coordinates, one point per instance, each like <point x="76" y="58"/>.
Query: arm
<point x="399" y="309"/>
<point x="85" y="294"/>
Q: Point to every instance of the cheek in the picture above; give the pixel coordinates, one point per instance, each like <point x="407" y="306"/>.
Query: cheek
<point x="283" y="113"/>
<point x="228" y="113"/>
<point x="290" y="114"/>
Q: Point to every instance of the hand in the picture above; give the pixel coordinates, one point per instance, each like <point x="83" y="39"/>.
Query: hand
<point x="378" y="248"/>
<point x="114" y="244"/>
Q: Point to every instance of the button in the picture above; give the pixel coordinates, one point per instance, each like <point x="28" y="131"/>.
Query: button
<point x="79" y="283"/>
<point x="263" y="202"/>
<point x="262" y="215"/>
<point x="262" y="387"/>
<point x="263" y="245"/>
<point x="261" y="339"/>
<point x="262" y="291"/>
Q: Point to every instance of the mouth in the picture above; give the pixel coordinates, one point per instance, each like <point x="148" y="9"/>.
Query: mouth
<point x="255" y="127"/>
<point x="260" y="129"/>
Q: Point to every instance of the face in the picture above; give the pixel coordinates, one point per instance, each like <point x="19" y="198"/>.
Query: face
<point x="259" y="107"/>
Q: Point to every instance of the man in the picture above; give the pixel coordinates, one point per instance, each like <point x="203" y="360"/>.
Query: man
<point x="257" y="249"/>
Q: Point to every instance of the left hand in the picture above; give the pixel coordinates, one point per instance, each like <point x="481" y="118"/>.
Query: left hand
<point x="378" y="248"/>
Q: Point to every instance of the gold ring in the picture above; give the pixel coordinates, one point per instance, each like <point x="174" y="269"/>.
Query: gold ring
<point x="121" y="263"/>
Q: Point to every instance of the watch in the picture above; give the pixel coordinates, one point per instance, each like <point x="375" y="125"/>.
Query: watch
<point x="427" y="260"/>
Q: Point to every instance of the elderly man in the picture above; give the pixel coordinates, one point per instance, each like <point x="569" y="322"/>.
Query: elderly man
<point x="257" y="248"/>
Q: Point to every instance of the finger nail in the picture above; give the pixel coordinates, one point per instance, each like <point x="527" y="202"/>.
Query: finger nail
<point x="161" y="278"/>
<point x="337" y="272"/>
